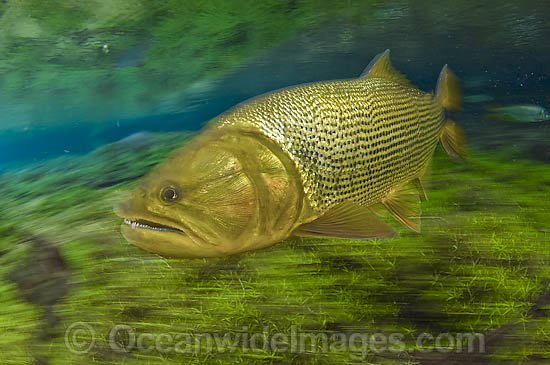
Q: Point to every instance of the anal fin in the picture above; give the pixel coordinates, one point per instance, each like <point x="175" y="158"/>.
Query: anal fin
<point x="422" y="182"/>
<point x="404" y="204"/>
<point x="347" y="220"/>
<point x="419" y="184"/>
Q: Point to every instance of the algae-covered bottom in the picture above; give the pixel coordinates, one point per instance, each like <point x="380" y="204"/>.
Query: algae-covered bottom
<point x="480" y="265"/>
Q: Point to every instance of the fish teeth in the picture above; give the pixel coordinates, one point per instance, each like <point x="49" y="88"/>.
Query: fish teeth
<point x="134" y="224"/>
<point x="131" y="223"/>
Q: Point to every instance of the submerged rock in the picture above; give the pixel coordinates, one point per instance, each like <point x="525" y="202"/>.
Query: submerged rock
<point x="540" y="152"/>
<point x="42" y="279"/>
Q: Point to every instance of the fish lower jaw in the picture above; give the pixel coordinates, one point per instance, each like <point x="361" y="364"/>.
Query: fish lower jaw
<point x="143" y="224"/>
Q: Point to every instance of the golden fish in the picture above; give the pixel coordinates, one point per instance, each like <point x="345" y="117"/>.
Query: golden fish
<point x="317" y="159"/>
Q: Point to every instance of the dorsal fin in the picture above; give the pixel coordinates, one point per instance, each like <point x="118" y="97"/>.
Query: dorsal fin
<point x="381" y="67"/>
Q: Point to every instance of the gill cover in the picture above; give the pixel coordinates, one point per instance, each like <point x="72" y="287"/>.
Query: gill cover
<point x="221" y="194"/>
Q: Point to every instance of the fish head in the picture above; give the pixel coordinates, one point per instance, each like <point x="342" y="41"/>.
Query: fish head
<point x="216" y="196"/>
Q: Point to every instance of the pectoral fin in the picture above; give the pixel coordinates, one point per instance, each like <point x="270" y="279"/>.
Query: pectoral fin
<point x="347" y="220"/>
<point x="404" y="204"/>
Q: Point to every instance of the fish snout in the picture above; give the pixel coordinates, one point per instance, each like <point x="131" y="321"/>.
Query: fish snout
<point x="121" y="209"/>
<point x="127" y="203"/>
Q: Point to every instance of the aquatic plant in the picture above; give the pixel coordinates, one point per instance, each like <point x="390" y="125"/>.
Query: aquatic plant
<point x="135" y="57"/>
<point x="481" y="265"/>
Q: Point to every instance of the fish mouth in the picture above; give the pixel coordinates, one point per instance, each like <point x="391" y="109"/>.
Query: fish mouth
<point x="153" y="226"/>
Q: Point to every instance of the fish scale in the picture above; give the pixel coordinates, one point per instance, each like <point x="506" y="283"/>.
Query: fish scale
<point x="349" y="139"/>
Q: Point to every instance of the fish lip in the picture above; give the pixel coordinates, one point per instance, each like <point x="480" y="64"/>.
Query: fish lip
<point x="127" y="222"/>
<point x="138" y="223"/>
<point x="128" y="217"/>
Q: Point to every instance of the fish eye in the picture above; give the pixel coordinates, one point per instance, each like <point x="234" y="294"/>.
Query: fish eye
<point x="170" y="194"/>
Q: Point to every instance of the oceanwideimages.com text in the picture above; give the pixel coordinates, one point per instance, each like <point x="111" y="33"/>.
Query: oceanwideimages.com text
<point x="80" y="338"/>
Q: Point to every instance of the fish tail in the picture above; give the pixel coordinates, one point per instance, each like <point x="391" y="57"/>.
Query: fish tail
<point x="453" y="140"/>
<point x="448" y="92"/>
<point x="449" y="96"/>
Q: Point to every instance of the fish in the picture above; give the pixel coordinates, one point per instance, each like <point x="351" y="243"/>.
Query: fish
<point x="323" y="159"/>
<point x="520" y="113"/>
<point x="478" y="98"/>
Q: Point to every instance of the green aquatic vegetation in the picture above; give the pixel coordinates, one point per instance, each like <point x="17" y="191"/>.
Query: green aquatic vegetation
<point x="190" y="37"/>
<point x="57" y="16"/>
<point x="156" y="55"/>
<point x="480" y="265"/>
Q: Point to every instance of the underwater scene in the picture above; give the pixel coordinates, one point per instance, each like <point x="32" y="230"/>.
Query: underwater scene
<point x="274" y="182"/>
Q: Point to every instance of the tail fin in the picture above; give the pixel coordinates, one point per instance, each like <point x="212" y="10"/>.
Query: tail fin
<point x="453" y="140"/>
<point x="448" y="91"/>
<point x="449" y="96"/>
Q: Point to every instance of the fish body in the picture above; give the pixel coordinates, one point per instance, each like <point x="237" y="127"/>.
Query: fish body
<point x="319" y="159"/>
<point x="478" y="98"/>
<point x="520" y="113"/>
